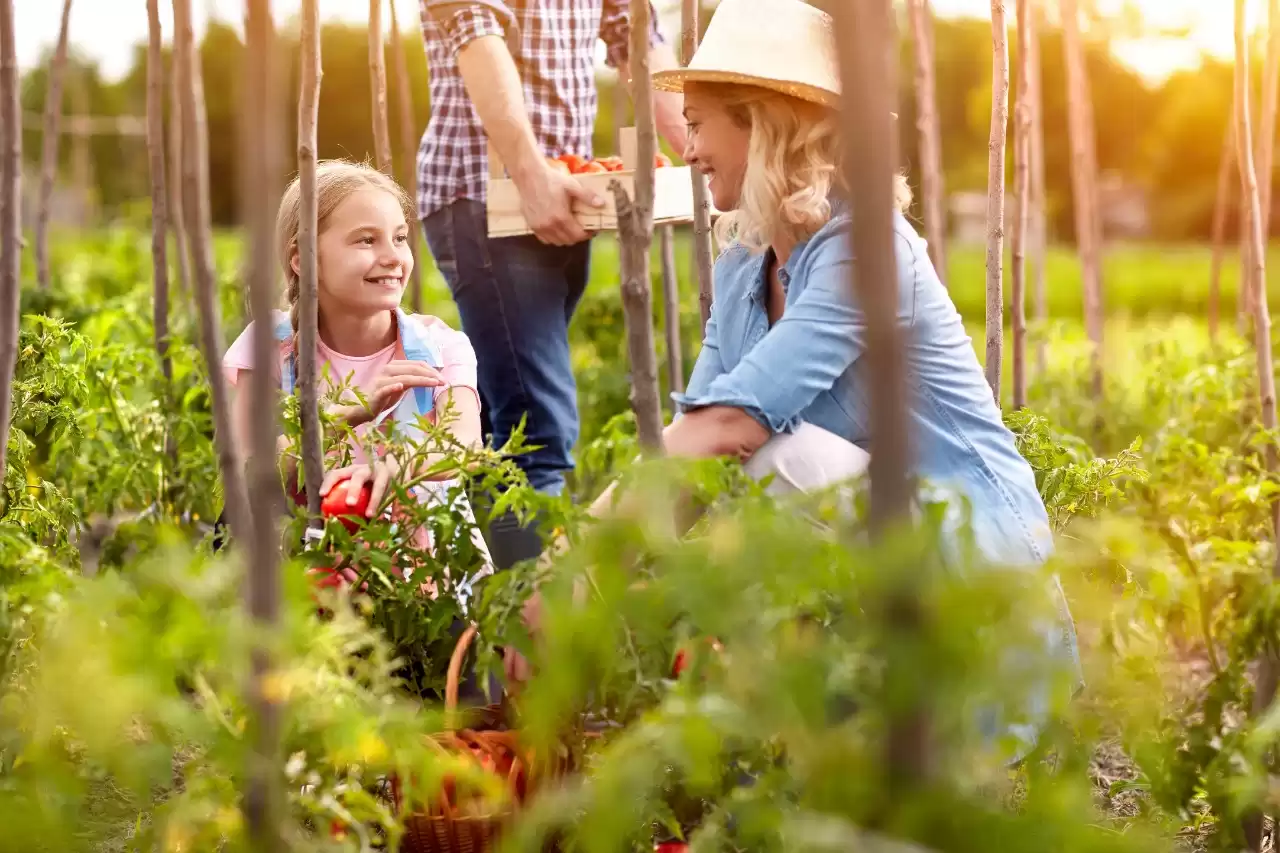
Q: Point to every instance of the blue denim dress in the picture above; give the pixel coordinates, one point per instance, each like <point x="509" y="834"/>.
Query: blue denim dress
<point x="809" y="368"/>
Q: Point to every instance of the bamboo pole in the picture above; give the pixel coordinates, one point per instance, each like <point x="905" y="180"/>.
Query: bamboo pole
<point x="1222" y="199"/>
<point x="261" y="152"/>
<point x="635" y="230"/>
<point x="408" y="146"/>
<point x="195" y="180"/>
<point x="10" y="218"/>
<point x="177" y="216"/>
<point x="932" y="185"/>
<point x="1084" y="182"/>
<point x="378" y="84"/>
<point x="308" y="287"/>
<point x="49" y="147"/>
<point x="995" y="196"/>
<point x="1022" y="205"/>
<point x="159" y="192"/>
<point x="702" y="253"/>
<point x="1039" y="215"/>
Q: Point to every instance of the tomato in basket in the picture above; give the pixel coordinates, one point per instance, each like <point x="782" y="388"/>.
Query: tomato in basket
<point x="573" y="161"/>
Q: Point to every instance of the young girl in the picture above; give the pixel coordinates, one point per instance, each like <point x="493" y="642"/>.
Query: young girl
<point x="406" y="366"/>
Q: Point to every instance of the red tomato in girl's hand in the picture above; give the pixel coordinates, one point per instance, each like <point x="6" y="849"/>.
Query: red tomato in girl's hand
<point x="670" y="847"/>
<point x="335" y="505"/>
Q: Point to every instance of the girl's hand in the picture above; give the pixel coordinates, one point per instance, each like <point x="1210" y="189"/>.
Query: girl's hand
<point x="397" y="377"/>
<point x="380" y="474"/>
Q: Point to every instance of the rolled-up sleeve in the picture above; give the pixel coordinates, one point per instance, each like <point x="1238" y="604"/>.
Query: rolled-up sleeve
<point x="816" y="340"/>
<point x="464" y="22"/>
<point x="615" y="31"/>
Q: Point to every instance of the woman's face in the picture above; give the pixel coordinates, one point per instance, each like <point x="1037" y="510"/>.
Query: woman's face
<point x="363" y="256"/>
<point x="717" y="146"/>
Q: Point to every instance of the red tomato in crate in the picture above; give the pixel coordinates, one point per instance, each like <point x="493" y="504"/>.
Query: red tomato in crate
<point x="611" y="164"/>
<point x="595" y="167"/>
<point x="335" y="505"/>
<point x="573" y="161"/>
<point x="660" y="160"/>
<point x="559" y="165"/>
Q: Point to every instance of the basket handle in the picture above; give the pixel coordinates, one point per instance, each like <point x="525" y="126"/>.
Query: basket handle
<point x="455" y="670"/>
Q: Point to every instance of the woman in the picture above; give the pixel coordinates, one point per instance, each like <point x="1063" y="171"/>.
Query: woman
<point x="780" y="381"/>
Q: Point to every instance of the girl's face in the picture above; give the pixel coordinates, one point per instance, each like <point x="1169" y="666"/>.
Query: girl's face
<point x="363" y="256"/>
<point x="717" y="146"/>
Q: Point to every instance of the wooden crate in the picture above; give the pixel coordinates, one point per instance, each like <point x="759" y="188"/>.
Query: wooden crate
<point x="672" y="195"/>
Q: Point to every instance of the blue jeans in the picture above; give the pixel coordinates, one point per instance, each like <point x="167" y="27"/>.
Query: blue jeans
<point x="516" y="296"/>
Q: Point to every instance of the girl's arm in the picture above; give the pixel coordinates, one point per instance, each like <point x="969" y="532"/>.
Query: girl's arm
<point x="461" y="406"/>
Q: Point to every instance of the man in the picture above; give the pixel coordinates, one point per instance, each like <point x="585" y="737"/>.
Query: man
<point x="521" y="74"/>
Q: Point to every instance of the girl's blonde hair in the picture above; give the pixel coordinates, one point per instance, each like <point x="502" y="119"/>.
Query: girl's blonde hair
<point x="793" y="165"/>
<point x="336" y="181"/>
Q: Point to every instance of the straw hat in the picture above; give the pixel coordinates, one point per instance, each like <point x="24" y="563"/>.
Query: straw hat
<point x="784" y="45"/>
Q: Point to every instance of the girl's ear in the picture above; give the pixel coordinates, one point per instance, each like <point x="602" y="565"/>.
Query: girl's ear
<point x="294" y="263"/>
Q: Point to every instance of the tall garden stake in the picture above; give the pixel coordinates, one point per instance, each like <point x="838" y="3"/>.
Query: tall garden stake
<point x="867" y="61"/>
<point x="1222" y="198"/>
<point x="702" y="253"/>
<point x="1022" y="205"/>
<point x="995" y="196"/>
<point x="1268" y="666"/>
<point x="195" y="181"/>
<point x="408" y="146"/>
<point x="635" y="232"/>
<point x="10" y="218"/>
<point x="262" y="156"/>
<point x="159" y="197"/>
<point x="1084" y="184"/>
<point x="671" y="307"/>
<point x="49" y="147"/>
<point x="308" y="289"/>
<point x="1265" y="144"/>
<point x="177" y="213"/>
<point x="378" y="84"/>
<point x="1039" y="224"/>
<point x="932" y="187"/>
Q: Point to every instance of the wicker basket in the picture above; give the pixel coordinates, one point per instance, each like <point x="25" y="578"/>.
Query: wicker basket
<point x="445" y="828"/>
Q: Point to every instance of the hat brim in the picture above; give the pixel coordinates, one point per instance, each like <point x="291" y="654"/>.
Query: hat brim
<point x="674" y="80"/>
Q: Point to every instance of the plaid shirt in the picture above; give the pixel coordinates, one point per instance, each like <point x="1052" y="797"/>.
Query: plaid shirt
<point x="553" y="43"/>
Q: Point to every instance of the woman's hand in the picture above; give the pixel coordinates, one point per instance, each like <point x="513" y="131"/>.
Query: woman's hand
<point x="395" y="378"/>
<point x="380" y="474"/>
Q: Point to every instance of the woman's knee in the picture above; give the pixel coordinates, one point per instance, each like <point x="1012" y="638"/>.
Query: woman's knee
<point x="809" y="459"/>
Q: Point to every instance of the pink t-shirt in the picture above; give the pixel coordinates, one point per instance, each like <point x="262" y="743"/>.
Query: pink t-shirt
<point x="457" y="355"/>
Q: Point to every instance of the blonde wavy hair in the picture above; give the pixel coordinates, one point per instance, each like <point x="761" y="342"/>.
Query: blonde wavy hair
<point x="336" y="181"/>
<point x="793" y="164"/>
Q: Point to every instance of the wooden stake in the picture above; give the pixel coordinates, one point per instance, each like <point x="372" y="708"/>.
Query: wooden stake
<point x="177" y="215"/>
<point x="1219" y="233"/>
<point x="408" y="146"/>
<point x="1039" y="224"/>
<point x="702" y="254"/>
<point x="261" y="153"/>
<point x="671" y="308"/>
<point x="49" y="147"/>
<point x="1022" y="204"/>
<point x="195" y="180"/>
<point x="1267" y="671"/>
<point x="308" y="288"/>
<point x="635" y="230"/>
<point x="931" y="182"/>
<point x="1266" y="141"/>
<point x="995" y="196"/>
<point x="378" y="82"/>
<point x="159" y="191"/>
<point x="1084" y="181"/>
<point x="10" y="218"/>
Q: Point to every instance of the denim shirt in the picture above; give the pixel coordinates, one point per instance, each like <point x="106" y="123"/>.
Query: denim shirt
<point x="809" y="368"/>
